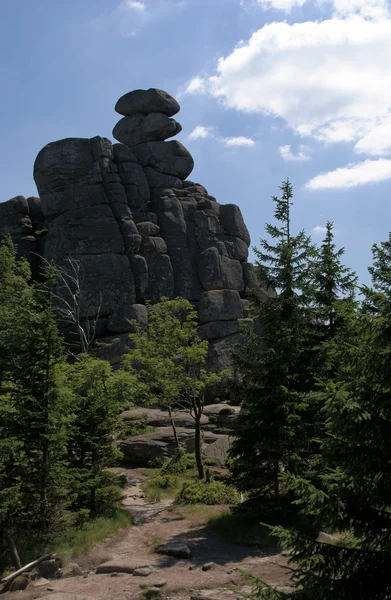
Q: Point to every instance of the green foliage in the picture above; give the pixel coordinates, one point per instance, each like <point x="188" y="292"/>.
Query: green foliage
<point x="333" y="306"/>
<point x="90" y="446"/>
<point x="180" y="462"/>
<point x="35" y="404"/>
<point x="201" y="492"/>
<point x="272" y="432"/>
<point x="168" y="361"/>
<point x="352" y="487"/>
<point x="79" y="540"/>
<point x="57" y="421"/>
<point x="162" y="485"/>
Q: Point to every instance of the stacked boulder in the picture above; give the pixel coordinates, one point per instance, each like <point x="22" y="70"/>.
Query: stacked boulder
<point x="141" y="230"/>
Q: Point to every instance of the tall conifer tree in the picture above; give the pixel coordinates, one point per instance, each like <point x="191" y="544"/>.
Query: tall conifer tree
<point x="351" y="495"/>
<point x="35" y="403"/>
<point x="271" y="433"/>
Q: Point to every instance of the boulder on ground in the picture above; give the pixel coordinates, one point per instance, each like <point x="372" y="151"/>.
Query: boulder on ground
<point x="175" y="548"/>
<point x="72" y="570"/>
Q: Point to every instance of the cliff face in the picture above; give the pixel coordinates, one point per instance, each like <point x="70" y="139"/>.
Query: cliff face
<point x="140" y="229"/>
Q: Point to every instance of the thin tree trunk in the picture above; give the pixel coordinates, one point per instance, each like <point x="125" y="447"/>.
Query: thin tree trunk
<point x="173" y="428"/>
<point x="14" y="552"/>
<point x="45" y="448"/>
<point x="197" y="416"/>
<point x="277" y="485"/>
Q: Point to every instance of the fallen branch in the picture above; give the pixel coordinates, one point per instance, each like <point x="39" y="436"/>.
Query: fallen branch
<point x="27" y="567"/>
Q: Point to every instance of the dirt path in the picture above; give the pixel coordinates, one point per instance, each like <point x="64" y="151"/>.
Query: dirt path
<point x="184" y="579"/>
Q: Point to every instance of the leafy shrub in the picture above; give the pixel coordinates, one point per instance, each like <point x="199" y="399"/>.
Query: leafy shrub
<point x="165" y="482"/>
<point x="201" y="492"/>
<point x="153" y="488"/>
<point x="180" y="462"/>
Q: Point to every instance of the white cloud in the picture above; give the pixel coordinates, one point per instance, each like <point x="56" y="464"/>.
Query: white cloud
<point x="197" y="85"/>
<point x="285" y="5"/>
<point x="133" y="4"/>
<point x="368" y="171"/>
<point x="201" y="132"/>
<point x="329" y="80"/>
<point x="237" y="141"/>
<point x="319" y="230"/>
<point x="372" y="9"/>
<point x="377" y="141"/>
<point x="302" y="155"/>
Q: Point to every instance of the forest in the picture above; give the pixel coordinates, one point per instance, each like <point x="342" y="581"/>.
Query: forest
<point x="312" y="445"/>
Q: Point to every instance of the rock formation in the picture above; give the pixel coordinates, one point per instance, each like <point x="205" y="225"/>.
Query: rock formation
<point x="139" y="228"/>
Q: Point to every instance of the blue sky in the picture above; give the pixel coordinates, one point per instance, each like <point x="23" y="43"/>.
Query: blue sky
<point x="269" y="89"/>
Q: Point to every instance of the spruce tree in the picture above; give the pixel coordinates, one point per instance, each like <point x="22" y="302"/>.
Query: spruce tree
<point x="95" y="427"/>
<point x="271" y="433"/>
<point x="351" y="496"/>
<point x="333" y="306"/>
<point x="35" y="404"/>
<point x="333" y="283"/>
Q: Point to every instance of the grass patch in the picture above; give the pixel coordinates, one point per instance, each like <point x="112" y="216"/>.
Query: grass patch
<point x="242" y="529"/>
<point x="162" y="486"/>
<point x="71" y="543"/>
<point x="201" y="512"/>
<point x="155" y="543"/>
<point x="79" y="541"/>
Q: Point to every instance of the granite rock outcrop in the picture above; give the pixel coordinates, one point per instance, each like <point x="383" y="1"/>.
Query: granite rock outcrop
<point x="138" y="227"/>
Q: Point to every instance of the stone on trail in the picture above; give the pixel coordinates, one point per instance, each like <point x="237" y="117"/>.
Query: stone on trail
<point x="154" y="584"/>
<point x="175" y="549"/>
<point x="71" y="570"/>
<point x="142" y="572"/>
<point x="208" y="566"/>
<point x="121" y="566"/>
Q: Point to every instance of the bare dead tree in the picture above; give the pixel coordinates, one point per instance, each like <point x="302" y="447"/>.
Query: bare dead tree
<point x="70" y="302"/>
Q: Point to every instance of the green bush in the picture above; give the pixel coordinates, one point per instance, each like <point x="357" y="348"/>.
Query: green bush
<point x="201" y="492"/>
<point x="180" y="462"/>
<point x="165" y="482"/>
<point x="159" y="486"/>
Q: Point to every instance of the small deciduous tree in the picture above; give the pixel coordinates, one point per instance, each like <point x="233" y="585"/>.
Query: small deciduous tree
<point x="169" y="361"/>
